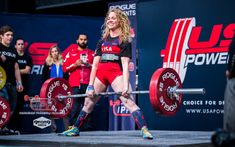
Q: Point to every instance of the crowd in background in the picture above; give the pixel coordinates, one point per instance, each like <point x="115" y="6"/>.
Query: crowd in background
<point x="17" y="64"/>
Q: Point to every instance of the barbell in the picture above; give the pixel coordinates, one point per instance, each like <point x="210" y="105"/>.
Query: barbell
<point x="165" y="92"/>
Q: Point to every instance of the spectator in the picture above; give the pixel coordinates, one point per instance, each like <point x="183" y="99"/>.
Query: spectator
<point x="226" y="137"/>
<point x="77" y="64"/>
<point x="25" y="65"/>
<point x="229" y="97"/>
<point x="53" y="69"/>
<point x="8" y="60"/>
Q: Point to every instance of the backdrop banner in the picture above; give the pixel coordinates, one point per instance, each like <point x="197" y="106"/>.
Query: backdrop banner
<point x="193" y="38"/>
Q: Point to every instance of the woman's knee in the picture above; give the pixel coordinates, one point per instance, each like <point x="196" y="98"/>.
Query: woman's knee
<point x="128" y="102"/>
<point x="89" y="104"/>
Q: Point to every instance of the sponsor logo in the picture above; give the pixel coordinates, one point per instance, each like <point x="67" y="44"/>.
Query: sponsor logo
<point x="129" y="9"/>
<point x="184" y="45"/>
<point x="9" y="54"/>
<point x="22" y="61"/>
<point x="42" y="122"/>
<point x="107" y="49"/>
<point x="118" y="108"/>
<point x="37" y="69"/>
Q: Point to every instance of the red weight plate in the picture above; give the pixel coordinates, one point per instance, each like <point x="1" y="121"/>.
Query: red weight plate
<point x="161" y="80"/>
<point x="50" y="90"/>
<point x="5" y="112"/>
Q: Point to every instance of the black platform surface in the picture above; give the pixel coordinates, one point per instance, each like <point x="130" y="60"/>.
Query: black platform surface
<point x="111" y="138"/>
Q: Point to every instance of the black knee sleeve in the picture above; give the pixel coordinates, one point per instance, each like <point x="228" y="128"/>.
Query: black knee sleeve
<point x="81" y="118"/>
<point x="139" y="118"/>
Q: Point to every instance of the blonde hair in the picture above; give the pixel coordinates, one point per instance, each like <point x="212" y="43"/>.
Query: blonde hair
<point x="49" y="59"/>
<point x="124" y="25"/>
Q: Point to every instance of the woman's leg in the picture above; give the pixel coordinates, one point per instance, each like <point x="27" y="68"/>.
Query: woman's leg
<point x="89" y="103"/>
<point x="130" y="104"/>
<point x="87" y="108"/>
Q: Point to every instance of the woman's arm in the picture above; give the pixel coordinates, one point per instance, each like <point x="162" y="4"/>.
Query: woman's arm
<point x="126" y="75"/>
<point x="94" y="69"/>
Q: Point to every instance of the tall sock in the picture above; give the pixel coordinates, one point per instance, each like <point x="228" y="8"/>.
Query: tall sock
<point x="81" y="118"/>
<point x="139" y="118"/>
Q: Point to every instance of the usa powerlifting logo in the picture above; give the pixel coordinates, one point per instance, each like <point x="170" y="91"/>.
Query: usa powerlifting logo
<point x="183" y="46"/>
